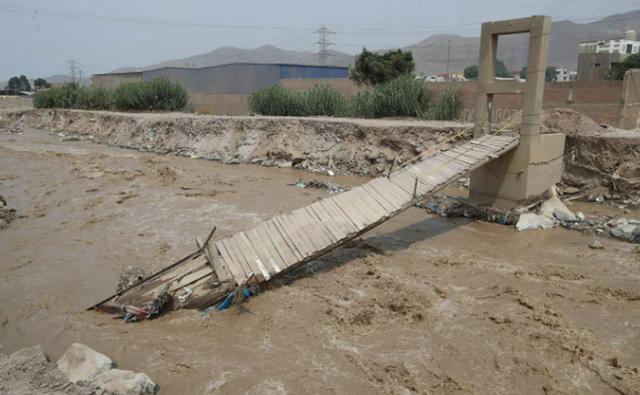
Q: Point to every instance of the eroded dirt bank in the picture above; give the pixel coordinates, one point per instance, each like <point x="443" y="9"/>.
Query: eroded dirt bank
<point x="603" y="163"/>
<point x="347" y="146"/>
<point x="422" y="304"/>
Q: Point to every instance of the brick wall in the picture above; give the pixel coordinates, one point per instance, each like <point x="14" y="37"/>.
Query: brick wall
<point x="600" y="100"/>
<point x="219" y="104"/>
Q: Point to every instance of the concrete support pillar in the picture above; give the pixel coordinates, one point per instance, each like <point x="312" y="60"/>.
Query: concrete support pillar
<point x="630" y="116"/>
<point x="536" y="164"/>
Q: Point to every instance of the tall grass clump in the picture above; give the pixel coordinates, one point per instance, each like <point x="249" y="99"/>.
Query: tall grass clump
<point x="58" y="97"/>
<point x="447" y="108"/>
<point x="324" y="100"/>
<point x="94" y="98"/>
<point x="404" y="96"/>
<point x="278" y="101"/>
<point x="157" y="94"/>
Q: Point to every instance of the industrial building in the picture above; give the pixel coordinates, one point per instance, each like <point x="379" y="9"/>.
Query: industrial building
<point x="233" y="78"/>
<point x="596" y="57"/>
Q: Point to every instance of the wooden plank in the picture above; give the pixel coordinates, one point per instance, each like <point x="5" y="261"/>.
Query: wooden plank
<point x="236" y="244"/>
<point x="275" y="260"/>
<point x="325" y="225"/>
<point x="277" y="224"/>
<point x="356" y="208"/>
<point x="325" y="218"/>
<point x="238" y="261"/>
<point x="264" y="255"/>
<point x="392" y="201"/>
<point x="295" y="229"/>
<point x="369" y="202"/>
<point x="339" y="217"/>
<point x="259" y="259"/>
<point x="384" y="188"/>
<point x="404" y="181"/>
<point x="392" y="189"/>
<point x="290" y="230"/>
<point x="309" y="227"/>
<point x="349" y="211"/>
<point x="277" y="243"/>
<point x="389" y="205"/>
<point x="227" y="261"/>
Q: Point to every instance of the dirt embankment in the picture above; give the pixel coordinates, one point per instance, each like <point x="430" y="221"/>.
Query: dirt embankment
<point x="603" y="163"/>
<point x="347" y="146"/>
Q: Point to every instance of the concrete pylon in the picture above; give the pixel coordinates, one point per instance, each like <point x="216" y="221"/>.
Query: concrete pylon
<point x="536" y="164"/>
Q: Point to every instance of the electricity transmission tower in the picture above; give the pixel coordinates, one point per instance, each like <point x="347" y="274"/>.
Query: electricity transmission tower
<point x="74" y="68"/>
<point x="323" y="43"/>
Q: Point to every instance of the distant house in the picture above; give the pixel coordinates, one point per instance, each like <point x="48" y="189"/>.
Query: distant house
<point x="596" y="57"/>
<point x="233" y="78"/>
<point x="565" y="75"/>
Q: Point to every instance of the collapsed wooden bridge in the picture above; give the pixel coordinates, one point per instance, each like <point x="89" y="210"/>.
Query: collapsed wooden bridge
<point x="289" y="240"/>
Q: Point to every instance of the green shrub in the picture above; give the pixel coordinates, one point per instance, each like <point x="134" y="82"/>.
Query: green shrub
<point x="447" y="108"/>
<point x="404" y="96"/>
<point x="324" y="100"/>
<point x="361" y="105"/>
<point x="94" y="98"/>
<point x="59" y="97"/>
<point x="152" y="95"/>
<point x="278" y="101"/>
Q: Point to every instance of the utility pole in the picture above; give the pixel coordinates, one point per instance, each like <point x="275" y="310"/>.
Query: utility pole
<point x="448" y="59"/>
<point x="323" y="43"/>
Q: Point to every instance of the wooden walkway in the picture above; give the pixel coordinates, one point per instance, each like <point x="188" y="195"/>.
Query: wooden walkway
<point x="289" y="240"/>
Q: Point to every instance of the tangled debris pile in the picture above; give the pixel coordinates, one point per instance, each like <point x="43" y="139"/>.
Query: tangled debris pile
<point x="544" y="215"/>
<point x="6" y="214"/>
<point x="11" y="129"/>
<point x="453" y="206"/>
<point x="319" y="184"/>
<point x="130" y="277"/>
<point x="80" y="371"/>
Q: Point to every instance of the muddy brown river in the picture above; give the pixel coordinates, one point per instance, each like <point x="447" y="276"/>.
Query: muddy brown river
<point x="421" y="304"/>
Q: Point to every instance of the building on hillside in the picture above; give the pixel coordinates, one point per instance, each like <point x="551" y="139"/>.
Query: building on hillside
<point x="233" y="78"/>
<point x="596" y="57"/>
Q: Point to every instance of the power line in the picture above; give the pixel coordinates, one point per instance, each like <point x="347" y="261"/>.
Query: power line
<point x="139" y="21"/>
<point x="323" y="43"/>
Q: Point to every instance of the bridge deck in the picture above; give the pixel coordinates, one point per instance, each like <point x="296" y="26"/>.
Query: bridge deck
<point x="290" y="239"/>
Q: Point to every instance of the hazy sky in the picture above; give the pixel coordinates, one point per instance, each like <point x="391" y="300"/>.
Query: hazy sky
<point x="38" y="37"/>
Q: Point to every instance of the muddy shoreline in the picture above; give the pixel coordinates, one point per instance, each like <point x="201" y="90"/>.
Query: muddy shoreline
<point x="421" y="304"/>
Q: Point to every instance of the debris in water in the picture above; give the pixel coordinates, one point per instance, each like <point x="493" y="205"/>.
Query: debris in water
<point x="130" y="277"/>
<point x="319" y="184"/>
<point x="453" y="206"/>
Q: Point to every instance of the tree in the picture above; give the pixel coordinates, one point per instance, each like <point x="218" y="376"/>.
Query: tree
<point x="502" y="71"/>
<point x="13" y="85"/>
<point x="373" y="68"/>
<point x="617" y="70"/>
<point x="24" y="83"/>
<point x="40" y="83"/>
<point x="550" y="73"/>
<point x="471" y="72"/>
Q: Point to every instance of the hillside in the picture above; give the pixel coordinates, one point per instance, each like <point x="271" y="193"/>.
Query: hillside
<point x="431" y="54"/>
<point x="262" y="54"/>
